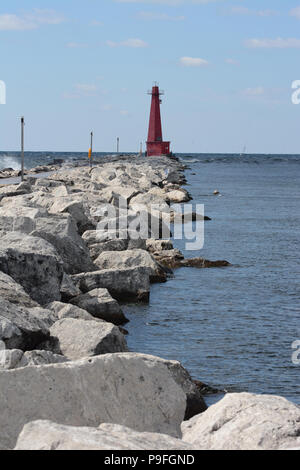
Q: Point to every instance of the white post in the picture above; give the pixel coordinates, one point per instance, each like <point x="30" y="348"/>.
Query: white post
<point x="22" y="148"/>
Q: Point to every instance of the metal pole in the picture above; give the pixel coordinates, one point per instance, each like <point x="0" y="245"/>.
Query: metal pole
<point x="22" y="148"/>
<point x="91" y="159"/>
<point x="118" y="145"/>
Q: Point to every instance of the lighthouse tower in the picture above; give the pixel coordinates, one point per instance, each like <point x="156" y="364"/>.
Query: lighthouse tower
<point x="155" y="144"/>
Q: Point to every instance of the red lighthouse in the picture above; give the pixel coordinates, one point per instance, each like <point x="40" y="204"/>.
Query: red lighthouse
<point x="155" y="144"/>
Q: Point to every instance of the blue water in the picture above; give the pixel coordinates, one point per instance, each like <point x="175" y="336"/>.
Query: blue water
<point x="231" y="327"/>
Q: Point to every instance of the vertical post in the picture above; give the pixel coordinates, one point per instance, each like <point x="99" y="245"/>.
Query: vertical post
<point x="91" y="158"/>
<point x="141" y="149"/>
<point x="22" y="148"/>
<point x="118" y="145"/>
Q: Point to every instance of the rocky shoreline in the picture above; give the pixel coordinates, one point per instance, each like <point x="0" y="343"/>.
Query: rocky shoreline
<point x="67" y="379"/>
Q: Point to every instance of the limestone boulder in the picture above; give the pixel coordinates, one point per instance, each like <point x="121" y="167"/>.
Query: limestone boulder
<point x="14" y="293"/>
<point x="130" y="284"/>
<point x="80" y="338"/>
<point x="45" y="436"/>
<point x="100" y="304"/>
<point x="132" y="390"/>
<point x="132" y="259"/>
<point x="68" y="289"/>
<point x="244" y="421"/>
<point x="33" y="263"/>
<point x="22" y="328"/>
<point x="153" y="245"/>
<point x="61" y="232"/>
<point x="16" y="358"/>
<point x="63" y="310"/>
<point x="76" y="209"/>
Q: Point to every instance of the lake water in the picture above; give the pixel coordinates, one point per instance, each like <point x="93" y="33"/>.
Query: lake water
<point x="232" y="328"/>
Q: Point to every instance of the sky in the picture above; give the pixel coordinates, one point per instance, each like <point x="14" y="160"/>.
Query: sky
<point x="226" y="67"/>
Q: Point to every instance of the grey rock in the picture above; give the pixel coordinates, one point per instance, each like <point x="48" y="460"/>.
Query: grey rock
<point x="63" y="310"/>
<point x="80" y="338"/>
<point x="15" y="358"/>
<point x="33" y="263"/>
<point x="131" y="284"/>
<point x="10" y="358"/>
<point x="14" y="293"/>
<point x="22" y="328"/>
<point x="132" y="259"/>
<point x="61" y="232"/>
<point x="153" y="245"/>
<point x="133" y="390"/>
<point x="100" y="304"/>
<point x="45" y="435"/>
<point x="68" y="289"/>
<point x="244" y="421"/>
<point x="75" y="209"/>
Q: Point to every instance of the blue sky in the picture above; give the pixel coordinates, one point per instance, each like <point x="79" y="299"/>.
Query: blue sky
<point x="226" y="66"/>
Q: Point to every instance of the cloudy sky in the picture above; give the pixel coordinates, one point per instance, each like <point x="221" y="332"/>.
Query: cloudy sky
<point x="227" y="68"/>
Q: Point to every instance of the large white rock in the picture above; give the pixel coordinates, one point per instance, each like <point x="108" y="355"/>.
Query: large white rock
<point x="45" y="435"/>
<point x="75" y="209"/>
<point x="131" y="259"/>
<point x="14" y="293"/>
<point x="122" y="284"/>
<point x="33" y="263"/>
<point x="80" y="338"/>
<point x="22" y="328"/>
<point x="130" y="389"/>
<point x="100" y="304"/>
<point x="243" y="421"/>
<point x="15" y="358"/>
<point x="61" y="232"/>
<point x="63" y="310"/>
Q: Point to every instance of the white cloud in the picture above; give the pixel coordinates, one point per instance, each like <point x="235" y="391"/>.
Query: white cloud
<point x="135" y="43"/>
<point x="75" y="45"/>
<point x="148" y="15"/>
<point x="247" y="11"/>
<point x="258" y="91"/>
<point x="295" y="12"/>
<point x="81" y="90"/>
<point x="124" y="112"/>
<point x="86" y="88"/>
<point x="193" y="62"/>
<point x="232" y="61"/>
<point x="278" y="43"/>
<point x="29" y="21"/>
